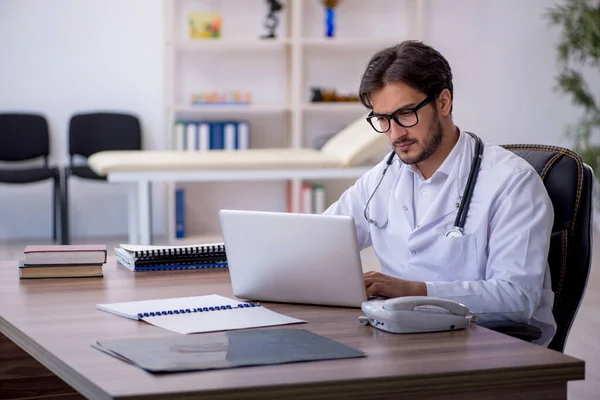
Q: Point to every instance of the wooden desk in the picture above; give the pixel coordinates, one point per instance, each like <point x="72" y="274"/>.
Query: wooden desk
<point x="55" y="321"/>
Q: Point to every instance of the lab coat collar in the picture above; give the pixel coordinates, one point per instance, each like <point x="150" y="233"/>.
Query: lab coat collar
<point x="449" y="197"/>
<point x="447" y="165"/>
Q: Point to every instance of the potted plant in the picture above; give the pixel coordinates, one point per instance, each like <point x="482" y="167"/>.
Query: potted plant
<point x="578" y="47"/>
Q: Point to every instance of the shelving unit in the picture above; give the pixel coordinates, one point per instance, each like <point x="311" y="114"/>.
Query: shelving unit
<point x="280" y="74"/>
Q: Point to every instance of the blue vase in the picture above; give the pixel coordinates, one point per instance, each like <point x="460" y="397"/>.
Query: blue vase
<point x="330" y="22"/>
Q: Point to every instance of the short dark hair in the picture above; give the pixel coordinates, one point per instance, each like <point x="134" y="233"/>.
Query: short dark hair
<point x="410" y="62"/>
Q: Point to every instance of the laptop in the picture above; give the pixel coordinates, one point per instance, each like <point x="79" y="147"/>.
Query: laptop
<point x="293" y="258"/>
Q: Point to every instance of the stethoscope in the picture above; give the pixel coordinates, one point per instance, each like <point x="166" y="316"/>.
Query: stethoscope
<point x="459" y="222"/>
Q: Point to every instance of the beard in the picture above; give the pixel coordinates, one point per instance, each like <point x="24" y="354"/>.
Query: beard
<point x="429" y="144"/>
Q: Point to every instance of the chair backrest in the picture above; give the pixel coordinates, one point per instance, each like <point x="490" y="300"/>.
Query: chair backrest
<point x="94" y="132"/>
<point x="569" y="183"/>
<point x="23" y="137"/>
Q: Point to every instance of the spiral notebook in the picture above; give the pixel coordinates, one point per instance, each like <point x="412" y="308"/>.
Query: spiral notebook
<point x="158" y="258"/>
<point x="160" y="252"/>
<point x="210" y="313"/>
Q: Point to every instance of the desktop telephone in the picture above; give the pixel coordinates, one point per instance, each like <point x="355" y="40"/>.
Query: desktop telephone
<point x="416" y="314"/>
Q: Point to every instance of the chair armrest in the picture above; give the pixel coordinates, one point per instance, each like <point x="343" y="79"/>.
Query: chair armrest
<point x="519" y="330"/>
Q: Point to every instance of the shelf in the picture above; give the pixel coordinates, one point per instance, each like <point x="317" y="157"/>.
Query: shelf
<point x="230" y="108"/>
<point x="372" y="45"/>
<point x="229" y="45"/>
<point x="278" y="44"/>
<point x="334" y="107"/>
<point x="281" y="74"/>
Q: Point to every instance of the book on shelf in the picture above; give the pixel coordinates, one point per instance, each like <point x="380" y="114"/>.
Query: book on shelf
<point x="161" y="258"/>
<point x="212" y="135"/>
<point x="65" y="254"/>
<point x="197" y="314"/>
<point x="312" y="199"/>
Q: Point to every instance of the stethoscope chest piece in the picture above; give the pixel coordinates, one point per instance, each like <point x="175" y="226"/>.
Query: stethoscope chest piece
<point x="454" y="232"/>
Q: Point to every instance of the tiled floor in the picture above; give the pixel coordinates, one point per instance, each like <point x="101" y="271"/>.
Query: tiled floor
<point x="583" y="341"/>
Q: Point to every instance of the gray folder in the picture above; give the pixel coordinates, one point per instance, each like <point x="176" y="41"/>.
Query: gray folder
<point x="222" y="350"/>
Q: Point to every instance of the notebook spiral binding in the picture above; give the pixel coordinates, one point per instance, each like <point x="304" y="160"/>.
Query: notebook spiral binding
<point x="181" y="251"/>
<point x="200" y="309"/>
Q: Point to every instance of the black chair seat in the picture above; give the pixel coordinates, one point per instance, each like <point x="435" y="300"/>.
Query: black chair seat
<point x="86" y="173"/>
<point x="28" y="175"/>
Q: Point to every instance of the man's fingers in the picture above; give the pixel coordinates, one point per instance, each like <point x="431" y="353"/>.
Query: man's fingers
<point x="372" y="276"/>
<point x="369" y="280"/>
<point x="374" y="289"/>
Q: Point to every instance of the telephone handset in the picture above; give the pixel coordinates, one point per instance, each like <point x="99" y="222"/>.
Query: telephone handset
<point x="415" y="314"/>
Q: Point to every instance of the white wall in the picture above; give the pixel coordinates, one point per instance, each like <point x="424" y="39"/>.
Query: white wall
<point x="503" y="57"/>
<point x="64" y="56"/>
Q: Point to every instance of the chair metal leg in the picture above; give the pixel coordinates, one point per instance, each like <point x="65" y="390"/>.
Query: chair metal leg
<point x="55" y="203"/>
<point x="64" y="208"/>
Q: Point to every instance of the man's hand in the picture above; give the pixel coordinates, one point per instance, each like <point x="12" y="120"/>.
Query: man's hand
<point x="378" y="284"/>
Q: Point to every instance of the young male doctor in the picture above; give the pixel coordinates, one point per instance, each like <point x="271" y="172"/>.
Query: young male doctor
<point x="406" y="206"/>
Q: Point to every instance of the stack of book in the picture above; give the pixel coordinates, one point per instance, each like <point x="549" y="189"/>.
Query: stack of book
<point x="62" y="261"/>
<point x="161" y="258"/>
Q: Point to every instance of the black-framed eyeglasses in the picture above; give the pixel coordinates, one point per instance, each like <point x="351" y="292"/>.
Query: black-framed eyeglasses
<point x="404" y="116"/>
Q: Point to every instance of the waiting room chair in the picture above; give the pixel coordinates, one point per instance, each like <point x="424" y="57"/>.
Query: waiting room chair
<point x="90" y="133"/>
<point x="569" y="183"/>
<point x="26" y="137"/>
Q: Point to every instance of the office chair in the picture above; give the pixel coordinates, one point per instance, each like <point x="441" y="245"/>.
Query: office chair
<point x="569" y="183"/>
<point x="90" y="133"/>
<point x="25" y="137"/>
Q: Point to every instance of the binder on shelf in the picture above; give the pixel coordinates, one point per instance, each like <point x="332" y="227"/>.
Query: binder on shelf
<point x="229" y="133"/>
<point x="191" y="133"/>
<point x="243" y="135"/>
<point x="212" y="135"/>
<point x="203" y="136"/>
<point x="180" y="213"/>
<point x="198" y="314"/>
<point x="180" y="136"/>
<point x="217" y="136"/>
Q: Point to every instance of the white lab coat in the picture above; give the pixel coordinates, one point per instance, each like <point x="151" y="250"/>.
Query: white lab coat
<point x="499" y="268"/>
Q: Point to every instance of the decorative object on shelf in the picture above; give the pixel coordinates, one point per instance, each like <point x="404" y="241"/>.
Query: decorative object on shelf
<point x="205" y="25"/>
<point x="320" y="95"/>
<point x="272" y="20"/>
<point x="317" y="95"/>
<point x="217" y="97"/>
<point x="330" y="6"/>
